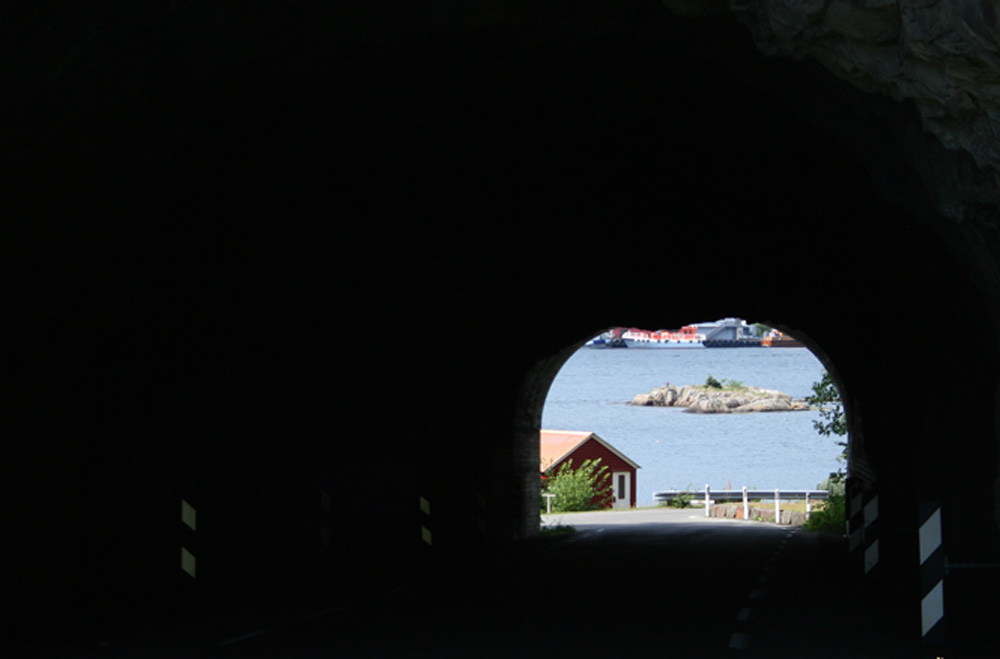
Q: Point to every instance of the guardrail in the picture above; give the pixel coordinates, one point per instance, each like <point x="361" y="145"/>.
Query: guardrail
<point x="746" y="495"/>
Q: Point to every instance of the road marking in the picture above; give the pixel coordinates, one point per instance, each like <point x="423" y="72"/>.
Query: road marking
<point x="242" y="638"/>
<point x="744" y="614"/>
<point x="762" y="578"/>
<point x="739" y="642"/>
<point x="756" y="593"/>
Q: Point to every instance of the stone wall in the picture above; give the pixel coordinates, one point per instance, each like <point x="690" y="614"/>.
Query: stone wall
<point x="757" y="513"/>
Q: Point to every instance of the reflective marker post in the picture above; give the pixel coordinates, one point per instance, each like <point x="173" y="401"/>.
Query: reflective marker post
<point x="932" y="567"/>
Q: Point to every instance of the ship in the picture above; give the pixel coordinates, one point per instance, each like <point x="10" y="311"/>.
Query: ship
<point x="610" y="339"/>
<point x="722" y="333"/>
<point x="686" y="337"/>
<point x="730" y="333"/>
<point x="777" y="339"/>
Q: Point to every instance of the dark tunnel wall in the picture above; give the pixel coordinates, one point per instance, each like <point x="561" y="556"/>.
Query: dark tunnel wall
<point x="355" y="269"/>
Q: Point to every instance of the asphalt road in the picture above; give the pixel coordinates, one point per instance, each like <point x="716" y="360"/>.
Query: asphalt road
<point x="663" y="583"/>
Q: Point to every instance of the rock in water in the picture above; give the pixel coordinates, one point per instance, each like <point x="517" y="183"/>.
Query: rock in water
<point x="705" y="400"/>
<point x="708" y="406"/>
<point x="766" y="405"/>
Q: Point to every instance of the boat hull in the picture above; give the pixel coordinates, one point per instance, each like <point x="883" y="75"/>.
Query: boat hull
<point x="733" y="343"/>
<point x="632" y="343"/>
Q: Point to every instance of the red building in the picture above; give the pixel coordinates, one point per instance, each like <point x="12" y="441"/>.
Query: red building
<point x="558" y="446"/>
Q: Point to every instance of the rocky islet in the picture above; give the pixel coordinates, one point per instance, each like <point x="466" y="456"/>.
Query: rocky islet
<point x="702" y="399"/>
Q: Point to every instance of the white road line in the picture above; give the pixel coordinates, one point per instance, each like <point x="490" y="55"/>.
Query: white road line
<point x="756" y="593"/>
<point x="739" y="642"/>
<point x="744" y="614"/>
<point x="242" y="638"/>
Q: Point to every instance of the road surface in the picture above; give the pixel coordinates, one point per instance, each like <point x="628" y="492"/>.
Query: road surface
<point x="659" y="583"/>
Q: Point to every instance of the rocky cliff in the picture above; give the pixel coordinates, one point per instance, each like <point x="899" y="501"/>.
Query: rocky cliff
<point x="943" y="56"/>
<point x="707" y="400"/>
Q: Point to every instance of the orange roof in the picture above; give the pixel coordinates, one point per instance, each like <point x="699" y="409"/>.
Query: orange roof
<point x="557" y="444"/>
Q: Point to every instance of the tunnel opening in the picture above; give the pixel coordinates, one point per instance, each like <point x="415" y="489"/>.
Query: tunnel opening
<point x="637" y="396"/>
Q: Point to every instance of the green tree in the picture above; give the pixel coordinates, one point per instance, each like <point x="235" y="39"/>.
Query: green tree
<point x="832" y="422"/>
<point x="826" y="397"/>
<point x="585" y="488"/>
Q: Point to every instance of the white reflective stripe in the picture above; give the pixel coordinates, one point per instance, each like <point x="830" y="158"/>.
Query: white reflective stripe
<point x="189" y="515"/>
<point x="930" y="535"/>
<point x="871" y="511"/>
<point x="425" y="506"/>
<point x="871" y="557"/>
<point x="425" y="533"/>
<point x="739" y="642"/>
<point x="932" y="608"/>
<point x="188" y="562"/>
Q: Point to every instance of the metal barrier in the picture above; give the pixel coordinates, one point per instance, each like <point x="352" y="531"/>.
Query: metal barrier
<point x="777" y="495"/>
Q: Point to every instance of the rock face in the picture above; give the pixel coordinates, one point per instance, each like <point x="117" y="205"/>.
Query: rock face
<point x="943" y="55"/>
<point x="706" y="400"/>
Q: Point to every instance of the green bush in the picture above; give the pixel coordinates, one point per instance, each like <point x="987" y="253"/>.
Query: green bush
<point x="834" y="484"/>
<point x="831" y="518"/>
<point x="712" y="383"/>
<point x="586" y="488"/>
<point x="682" y="500"/>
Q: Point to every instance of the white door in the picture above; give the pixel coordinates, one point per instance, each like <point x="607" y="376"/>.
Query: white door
<point x="621" y="483"/>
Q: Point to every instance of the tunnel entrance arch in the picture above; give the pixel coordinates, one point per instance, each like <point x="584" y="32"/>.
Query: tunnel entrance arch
<point x="539" y="386"/>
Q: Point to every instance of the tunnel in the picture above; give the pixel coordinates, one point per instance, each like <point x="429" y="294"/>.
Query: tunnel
<point x="287" y="288"/>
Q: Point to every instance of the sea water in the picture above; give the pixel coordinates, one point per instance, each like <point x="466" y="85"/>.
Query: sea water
<point x="677" y="450"/>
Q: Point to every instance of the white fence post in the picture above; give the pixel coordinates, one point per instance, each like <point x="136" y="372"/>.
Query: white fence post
<point x="808" y="506"/>
<point x="708" y="500"/>
<point x="777" y="507"/>
<point x="746" y="504"/>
